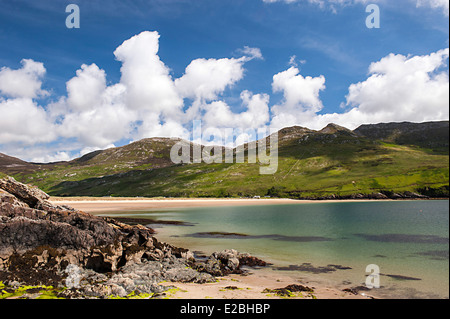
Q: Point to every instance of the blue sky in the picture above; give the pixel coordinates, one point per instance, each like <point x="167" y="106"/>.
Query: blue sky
<point x="321" y="51"/>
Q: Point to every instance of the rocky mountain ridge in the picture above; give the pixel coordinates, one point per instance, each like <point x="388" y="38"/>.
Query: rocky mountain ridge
<point x="396" y="160"/>
<point x="156" y="150"/>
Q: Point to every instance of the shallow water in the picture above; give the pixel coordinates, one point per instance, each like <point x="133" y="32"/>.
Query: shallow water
<point x="329" y="243"/>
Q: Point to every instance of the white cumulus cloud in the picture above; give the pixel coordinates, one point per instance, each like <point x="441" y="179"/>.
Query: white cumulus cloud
<point x="219" y="114"/>
<point x="24" y="82"/>
<point x="23" y="121"/>
<point x="149" y="102"/>
<point x="86" y="88"/>
<point x="205" y="79"/>
<point x="399" y="88"/>
<point x="147" y="79"/>
<point x="94" y="113"/>
<point x="301" y="97"/>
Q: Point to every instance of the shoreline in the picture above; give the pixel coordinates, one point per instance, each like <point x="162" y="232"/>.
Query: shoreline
<point x="257" y="284"/>
<point x="116" y="260"/>
<point x="99" y="204"/>
<point x="109" y="205"/>
<point x="251" y="286"/>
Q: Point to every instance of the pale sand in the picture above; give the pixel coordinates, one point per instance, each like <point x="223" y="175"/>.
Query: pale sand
<point x="252" y="287"/>
<point x="109" y="205"/>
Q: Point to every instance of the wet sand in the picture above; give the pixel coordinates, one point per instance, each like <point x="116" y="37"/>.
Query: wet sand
<point x="254" y="286"/>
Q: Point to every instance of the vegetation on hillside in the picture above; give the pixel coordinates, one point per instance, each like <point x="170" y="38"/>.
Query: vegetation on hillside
<point x="334" y="162"/>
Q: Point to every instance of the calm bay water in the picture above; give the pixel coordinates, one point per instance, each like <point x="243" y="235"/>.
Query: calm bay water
<point x="408" y="240"/>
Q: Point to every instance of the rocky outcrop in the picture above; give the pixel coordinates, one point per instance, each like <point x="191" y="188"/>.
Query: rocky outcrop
<point x="29" y="221"/>
<point x="228" y="261"/>
<point x="41" y="243"/>
<point x="27" y="194"/>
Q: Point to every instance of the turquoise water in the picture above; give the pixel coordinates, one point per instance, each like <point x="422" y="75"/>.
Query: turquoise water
<point x="408" y="240"/>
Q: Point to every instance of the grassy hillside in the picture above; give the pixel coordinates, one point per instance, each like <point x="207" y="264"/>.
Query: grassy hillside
<point x="142" y="155"/>
<point x="431" y="135"/>
<point x="334" y="161"/>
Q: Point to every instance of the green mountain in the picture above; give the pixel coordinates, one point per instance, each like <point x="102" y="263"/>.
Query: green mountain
<point x="434" y="135"/>
<point x="394" y="160"/>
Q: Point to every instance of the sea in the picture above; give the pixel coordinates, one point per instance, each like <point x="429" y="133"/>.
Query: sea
<point x="398" y="249"/>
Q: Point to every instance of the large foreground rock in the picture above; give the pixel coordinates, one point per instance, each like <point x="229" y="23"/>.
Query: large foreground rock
<point x="28" y="222"/>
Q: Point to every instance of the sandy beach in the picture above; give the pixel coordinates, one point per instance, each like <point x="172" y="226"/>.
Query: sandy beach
<point x="96" y="205"/>
<point x="255" y="285"/>
<point x="100" y="204"/>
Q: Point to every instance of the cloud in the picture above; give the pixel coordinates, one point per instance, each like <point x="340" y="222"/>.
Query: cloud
<point x="151" y="126"/>
<point x="404" y="88"/>
<point x="23" y="121"/>
<point x="301" y="97"/>
<point x="94" y="113"/>
<point x="205" y="79"/>
<point x="252" y="53"/>
<point x="148" y="102"/>
<point x="294" y="62"/>
<point x="24" y="82"/>
<point x="218" y="114"/>
<point x="52" y="158"/>
<point x="147" y="79"/>
<point x="86" y="88"/>
<point x="100" y="127"/>
<point x="435" y="4"/>
<point x="399" y="88"/>
<point x="144" y="104"/>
